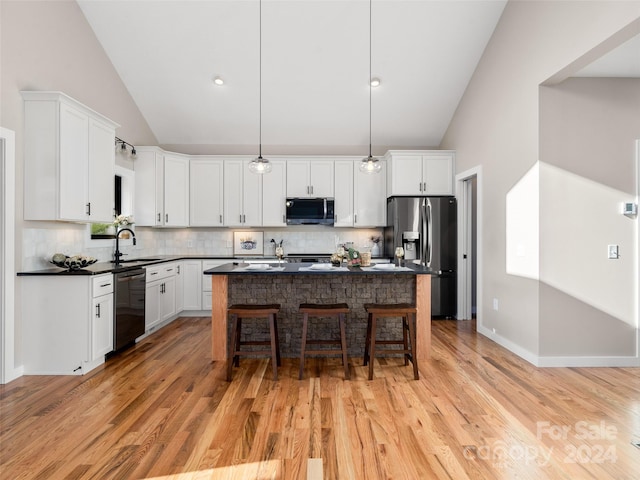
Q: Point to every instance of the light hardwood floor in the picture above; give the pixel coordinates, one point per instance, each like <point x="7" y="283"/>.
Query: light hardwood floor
<point x="163" y="410"/>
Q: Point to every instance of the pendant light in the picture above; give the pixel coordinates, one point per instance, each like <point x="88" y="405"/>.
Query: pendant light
<point x="370" y="164"/>
<point x="260" y="165"/>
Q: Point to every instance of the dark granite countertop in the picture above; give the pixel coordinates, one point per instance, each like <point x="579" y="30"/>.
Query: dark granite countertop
<point x="108" y="267"/>
<point x="233" y="266"/>
<point x="237" y="268"/>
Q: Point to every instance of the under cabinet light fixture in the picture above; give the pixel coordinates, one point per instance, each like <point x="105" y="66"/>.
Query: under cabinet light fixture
<point x="375" y="82"/>
<point x="260" y="165"/>
<point x="122" y="146"/>
<point x="370" y="164"/>
<point x="218" y="80"/>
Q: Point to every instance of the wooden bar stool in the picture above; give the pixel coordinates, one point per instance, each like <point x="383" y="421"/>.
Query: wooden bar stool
<point x="329" y="310"/>
<point x="408" y="314"/>
<point x="240" y="311"/>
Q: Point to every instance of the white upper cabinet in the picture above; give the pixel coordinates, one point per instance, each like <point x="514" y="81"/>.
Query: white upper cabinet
<point x="69" y="154"/>
<point x="274" y="195"/>
<point x="421" y="172"/>
<point x="343" y="184"/>
<point x="176" y="191"/>
<point x="162" y="188"/>
<point x="242" y="195"/>
<point x="369" y="197"/>
<point x="206" y="192"/>
<point x="310" y="178"/>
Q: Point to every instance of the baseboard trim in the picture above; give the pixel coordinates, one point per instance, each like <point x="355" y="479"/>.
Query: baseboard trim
<point x="559" y="361"/>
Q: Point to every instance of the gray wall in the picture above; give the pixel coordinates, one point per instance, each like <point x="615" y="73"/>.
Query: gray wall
<point x="496" y="126"/>
<point x="588" y="130"/>
<point x="49" y="45"/>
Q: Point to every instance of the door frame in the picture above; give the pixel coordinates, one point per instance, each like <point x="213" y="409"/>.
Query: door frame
<point x="8" y="370"/>
<point x="465" y="272"/>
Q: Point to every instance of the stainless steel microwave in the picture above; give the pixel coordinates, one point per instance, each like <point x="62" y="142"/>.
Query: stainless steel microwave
<point x="310" y="211"/>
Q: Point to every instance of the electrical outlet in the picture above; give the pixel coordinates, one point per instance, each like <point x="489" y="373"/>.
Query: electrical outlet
<point x="495" y="304"/>
<point x="613" y="252"/>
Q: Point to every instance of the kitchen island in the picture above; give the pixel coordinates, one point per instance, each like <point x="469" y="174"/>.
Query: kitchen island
<point x="290" y="284"/>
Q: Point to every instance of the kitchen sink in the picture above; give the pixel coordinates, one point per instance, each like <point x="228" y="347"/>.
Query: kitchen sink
<point x="139" y="260"/>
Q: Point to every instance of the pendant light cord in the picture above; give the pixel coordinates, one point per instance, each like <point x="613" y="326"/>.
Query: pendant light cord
<point x="370" y="57"/>
<point x="260" y="89"/>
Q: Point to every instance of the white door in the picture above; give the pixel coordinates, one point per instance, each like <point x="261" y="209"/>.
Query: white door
<point x="179" y="287"/>
<point x="152" y="305"/>
<point x="251" y="197"/>
<point x="168" y="298"/>
<point x="343" y="184"/>
<point x="102" y="326"/>
<point x="369" y="197"/>
<point x="176" y="191"/>
<point x="274" y="195"/>
<point x="298" y="179"/>
<point x="438" y="174"/>
<point x="74" y="164"/>
<point x="206" y="192"/>
<point x="406" y="175"/>
<point x="192" y="284"/>
<point x="321" y="178"/>
<point x="233" y="193"/>
<point x="101" y="168"/>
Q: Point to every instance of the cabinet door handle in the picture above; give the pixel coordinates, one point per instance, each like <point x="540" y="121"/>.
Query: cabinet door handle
<point x="104" y="285"/>
<point x="355" y="218"/>
<point x="244" y="218"/>
<point x="89" y="208"/>
<point x="153" y="273"/>
<point x="158" y="217"/>
<point x="166" y="217"/>
<point x="98" y="311"/>
<point x="284" y="220"/>
<point x="308" y="190"/>
<point x="178" y="269"/>
<point x="311" y="189"/>
<point x="220" y="219"/>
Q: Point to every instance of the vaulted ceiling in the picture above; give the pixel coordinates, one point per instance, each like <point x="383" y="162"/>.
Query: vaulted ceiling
<point x="315" y="69"/>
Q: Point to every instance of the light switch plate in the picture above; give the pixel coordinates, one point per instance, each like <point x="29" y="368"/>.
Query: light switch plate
<point x="613" y="251"/>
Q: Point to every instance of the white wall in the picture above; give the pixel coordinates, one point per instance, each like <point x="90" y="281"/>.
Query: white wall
<point x="496" y="125"/>
<point x="48" y="45"/>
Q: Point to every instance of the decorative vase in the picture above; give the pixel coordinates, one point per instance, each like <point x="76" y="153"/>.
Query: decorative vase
<point x="375" y="250"/>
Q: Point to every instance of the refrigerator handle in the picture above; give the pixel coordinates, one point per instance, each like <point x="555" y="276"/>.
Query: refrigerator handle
<point x="429" y="233"/>
<point x="423" y="232"/>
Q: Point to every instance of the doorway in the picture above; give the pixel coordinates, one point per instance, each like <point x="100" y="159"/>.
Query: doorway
<point x="468" y="191"/>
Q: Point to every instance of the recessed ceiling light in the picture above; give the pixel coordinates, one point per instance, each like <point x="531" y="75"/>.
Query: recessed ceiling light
<point x="218" y="81"/>
<point x="375" y="82"/>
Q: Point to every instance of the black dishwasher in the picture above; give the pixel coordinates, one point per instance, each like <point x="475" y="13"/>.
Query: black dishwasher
<point x="129" y="310"/>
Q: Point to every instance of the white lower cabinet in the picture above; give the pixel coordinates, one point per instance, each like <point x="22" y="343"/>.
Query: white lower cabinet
<point x="67" y="323"/>
<point x="192" y="284"/>
<point x="160" y="301"/>
<point x="179" y="286"/>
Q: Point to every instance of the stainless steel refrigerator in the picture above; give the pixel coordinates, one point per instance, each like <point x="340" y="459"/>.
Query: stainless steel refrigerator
<point x="427" y="229"/>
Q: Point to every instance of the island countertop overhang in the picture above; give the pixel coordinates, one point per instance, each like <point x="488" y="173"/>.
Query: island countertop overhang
<point x="236" y="268"/>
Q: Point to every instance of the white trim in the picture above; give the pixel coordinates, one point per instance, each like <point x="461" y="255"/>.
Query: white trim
<point x="8" y="370"/>
<point x="552" y="361"/>
<point x="588" y="362"/>
<point x="464" y="273"/>
<point x="508" y="344"/>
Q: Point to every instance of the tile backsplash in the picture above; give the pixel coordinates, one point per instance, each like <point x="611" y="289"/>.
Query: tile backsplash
<point x="39" y="244"/>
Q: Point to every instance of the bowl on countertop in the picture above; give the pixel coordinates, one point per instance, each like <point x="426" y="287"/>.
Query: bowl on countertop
<point x="77" y="262"/>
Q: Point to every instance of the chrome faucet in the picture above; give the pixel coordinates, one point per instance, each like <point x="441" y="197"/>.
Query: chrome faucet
<point x="117" y="254"/>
